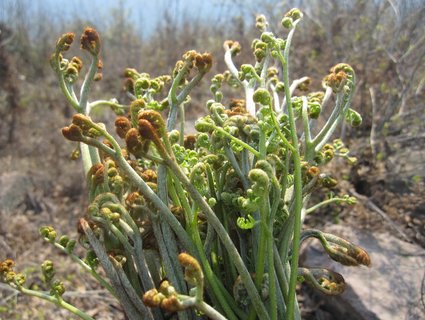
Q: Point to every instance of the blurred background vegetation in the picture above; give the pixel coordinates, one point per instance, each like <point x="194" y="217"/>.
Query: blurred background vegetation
<point x="384" y="40"/>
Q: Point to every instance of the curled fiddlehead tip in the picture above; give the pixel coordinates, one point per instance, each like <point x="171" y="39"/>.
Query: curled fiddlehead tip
<point x="205" y="124"/>
<point x="260" y="181"/>
<point x="129" y="85"/>
<point x="262" y="96"/>
<point x="295" y="14"/>
<point x="203" y="62"/>
<point x="90" y="41"/>
<point x="172" y="304"/>
<point x="48" y="270"/>
<point x="351" y="256"/>
<point x="155" y="119"/>
<point x="166" y="298"/>
<point x="327" y="281"/>
<point x="290" y="17"/>
<point x="353" y="118"/>
<point x="261" y="22"/>
<point x="132" y="141"/>
<point x="142" y="83"/>
<point x="342" y="67"/>
<point x="327" y="181"/>
<point x="137" y="105"/>
<point x="233" y="46"/>
<point x="87" y="126"/>
<point x="193" y="271"/>
<point x="345" y="252"/>
<point x="73" y="133"/>
<point x="9" y="276"/>
<point x="338" y="77"/>
<point x="77" y="63"/>
<point x="339" y="249"/>
<point x="122" y="125"/>
<point x="7" y="265"/>
<point x="147" y="130"/>
<point x="152" y="298"/>
<point x="336" y="80"/>
<point x="57" y="288"/>
<point x="64" y="42"/>
<point x="97" y="173"/>
<point x="48" y="233"/>
<point x="81" y="120"/>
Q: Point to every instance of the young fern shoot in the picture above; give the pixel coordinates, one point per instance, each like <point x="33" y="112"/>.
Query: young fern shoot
<point x="205" y="225"/>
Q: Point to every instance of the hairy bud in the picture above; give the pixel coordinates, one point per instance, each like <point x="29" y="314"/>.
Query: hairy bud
<point x="295" y="14"/>
<point x="48" y="232"/>
<point x="152" y="298"/>
<point x="48" y="270"/>
<point x="192" y="269"/>
<point x="132" y="140"/>
<point x="233" y="46"/>
<point x="90" y="41"/>
<point x="147" y="130"/>
<point x="203" y="62"/>
<point x="327" y="281"/>
<point x="122" y="125"/>
<point x="262" y="96"/>
<point x="155" y="119"/>
<point x="353" y="118"/>
<point x="260" y="181"/>
<point x="57" y="288"/>
<point x="73" y="133"/>
<point x="65" y="41"/>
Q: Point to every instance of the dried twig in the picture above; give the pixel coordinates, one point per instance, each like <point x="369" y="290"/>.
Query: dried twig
<point x="371" y="205"/>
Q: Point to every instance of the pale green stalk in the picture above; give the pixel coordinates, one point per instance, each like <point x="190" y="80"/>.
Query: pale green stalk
<point x="285" y="141"/>
<point x="270" y="254"/>
<point x="209" y="311"/>
<point x="146" y="191"/>
<point x="86" y="268"/>
<point x="132" y="295"/>
<point x="231" y="157"/>
<point x="85" y="88"/>
<point x="306" y="126"/>
<point x="132" y="230"/>
<point x="108" y="103"/>
<point x="225" y="238"/>
<point x="174" y="101"/>
<point x="131" y="311"/>
<point x="194" y="232"/>
<point x="294" y="85"/>
<point x="57" y="301"/>
<point x="262" y="249"/>
<point x="249" y="90"/>
<point x="69" y="94"/>
<point x="323" y="203"/>
<point x="343" y="102"/>
<point x="297" y="180"/>
<point x="238" y="141"/>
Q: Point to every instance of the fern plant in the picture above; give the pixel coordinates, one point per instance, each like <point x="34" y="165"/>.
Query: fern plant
<point x="205" y="225"/>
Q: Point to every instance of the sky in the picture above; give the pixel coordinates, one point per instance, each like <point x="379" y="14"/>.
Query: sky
<point x="145" y="14"/>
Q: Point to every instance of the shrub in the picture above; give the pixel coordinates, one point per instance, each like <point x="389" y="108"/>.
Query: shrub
<point x="205" y="224"/>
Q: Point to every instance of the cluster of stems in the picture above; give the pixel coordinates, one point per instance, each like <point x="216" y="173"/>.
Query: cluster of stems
<point x="207" y="224"/>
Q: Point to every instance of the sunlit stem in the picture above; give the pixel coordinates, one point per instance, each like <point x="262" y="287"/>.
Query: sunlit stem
<point x="57" y="301"/>
<point x="297" y="179"/>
